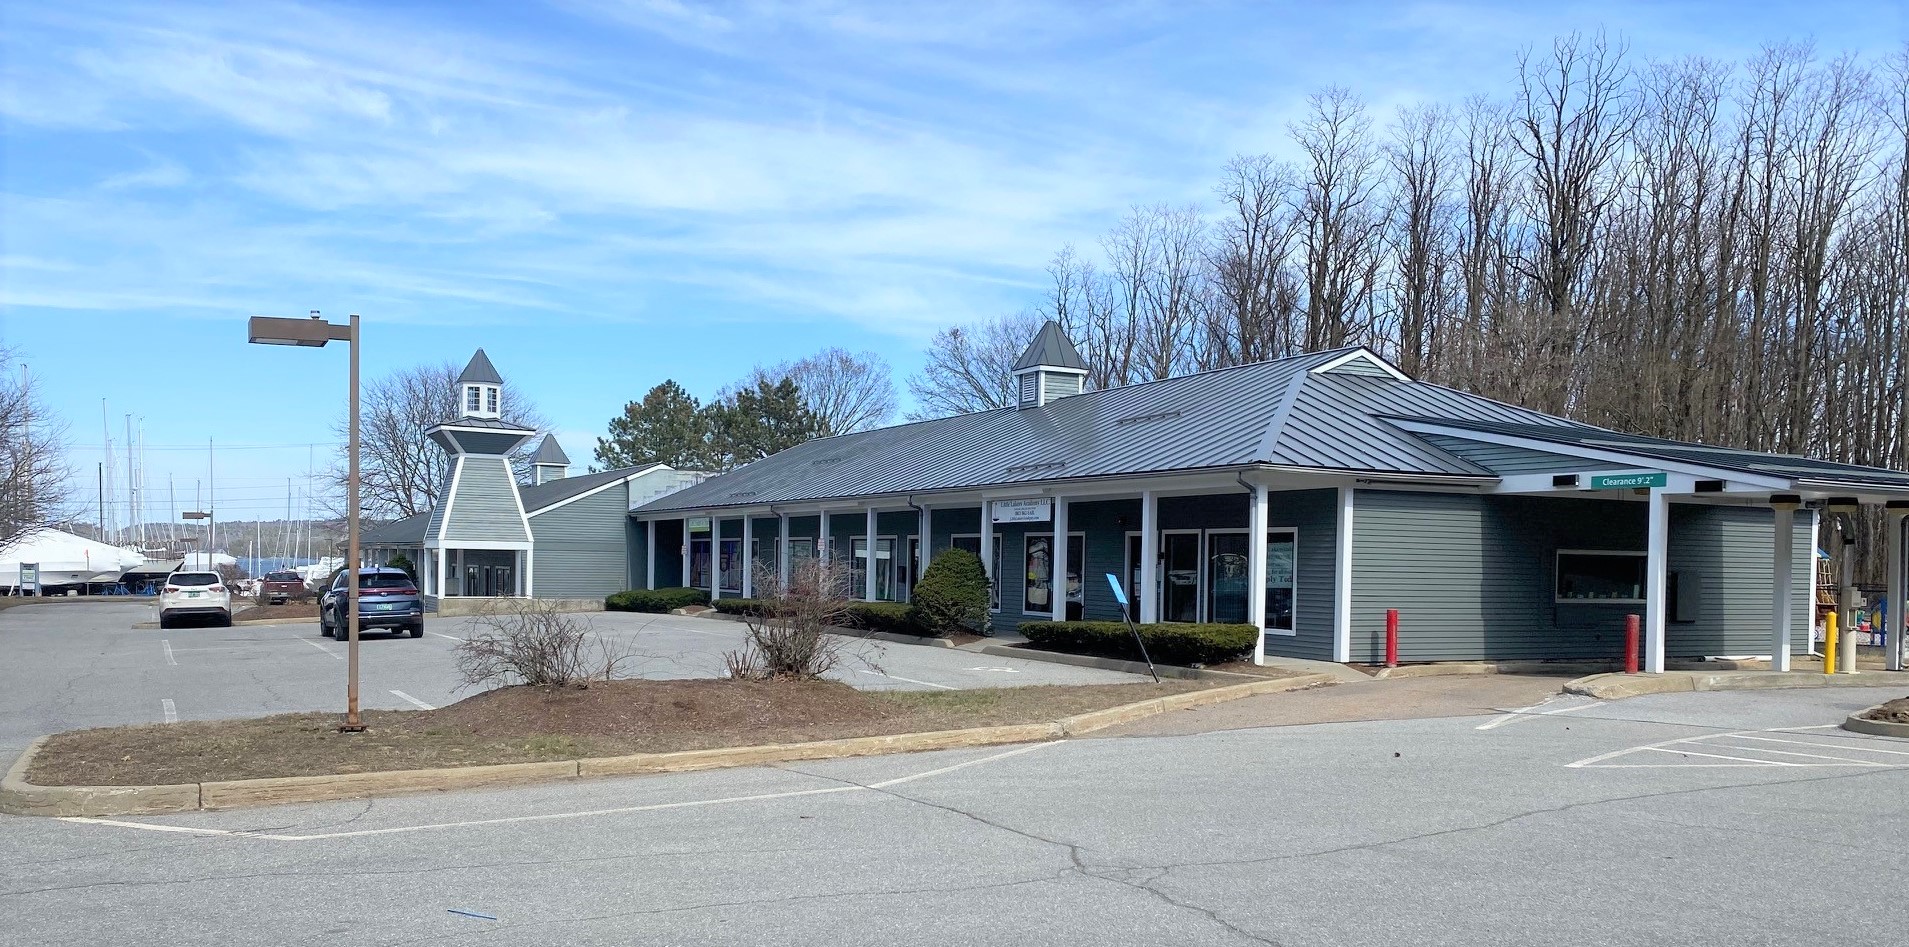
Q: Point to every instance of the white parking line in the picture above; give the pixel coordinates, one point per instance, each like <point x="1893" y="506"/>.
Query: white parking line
<point x="546" y="817"/>
<point x="907" y="680"/>
<point x="445" y="637"/>
<point x="1526" y="712"/>
<point x="1852" y="751"/>
<point x="421" y="705"/>
<point x="335" y="655"/>
<point x="169" y="710"/>
<point x="167" y="645"/>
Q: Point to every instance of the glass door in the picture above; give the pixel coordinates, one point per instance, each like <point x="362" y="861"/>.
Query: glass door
<point x="1180" y="577"/>
<point x="1226" y="574"/>
<point x="732" y="565"/>
<point x="905" y="569"/>
<point x="699" y="563"/>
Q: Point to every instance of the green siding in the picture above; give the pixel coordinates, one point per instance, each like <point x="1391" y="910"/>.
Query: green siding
<point x="583" y="547"/>
<point x="484" y="509"/>
<point x="1473" y="577"/>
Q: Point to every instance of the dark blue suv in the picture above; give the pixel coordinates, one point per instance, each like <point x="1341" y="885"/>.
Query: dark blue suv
<point x="387" y="599"/>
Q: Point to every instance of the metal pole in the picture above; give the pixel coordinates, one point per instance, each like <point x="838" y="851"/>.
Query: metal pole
<point x="352" y="722"/>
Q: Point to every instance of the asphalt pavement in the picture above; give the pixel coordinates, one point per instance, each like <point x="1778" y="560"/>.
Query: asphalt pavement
<point x="69" y="665"/>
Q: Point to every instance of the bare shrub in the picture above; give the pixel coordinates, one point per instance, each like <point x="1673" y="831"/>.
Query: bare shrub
<point x="527" y="641"/>
<point x="790" y="638"/>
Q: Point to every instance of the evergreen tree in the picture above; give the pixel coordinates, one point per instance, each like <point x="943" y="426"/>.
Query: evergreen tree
<point x="667" y="427"/>
<point x="761" y="419"/>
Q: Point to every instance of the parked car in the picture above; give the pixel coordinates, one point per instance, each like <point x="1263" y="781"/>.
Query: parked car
<point x="280" y="587"/>
<point x="387" y="599"/>
<point x="198" y="594"/>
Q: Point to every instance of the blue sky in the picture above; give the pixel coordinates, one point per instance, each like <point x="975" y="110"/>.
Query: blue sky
<point x="605" y="193"/>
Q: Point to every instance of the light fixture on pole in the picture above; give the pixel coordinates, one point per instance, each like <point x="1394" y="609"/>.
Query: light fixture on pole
<point x="314" y="333"/>
<point x="207" y="516"/>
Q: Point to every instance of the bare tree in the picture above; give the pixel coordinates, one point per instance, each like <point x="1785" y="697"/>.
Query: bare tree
<point x="539" y="643"/>
<point x="846" y="392"/>
<point x="790" y="637"/>
<point x="1254" y="295"/>
<point x="402" y="471"/>
<point x="1419" y="157"/>
<point x="967" y="366"/>
<point x="33" y="472"/>
<point x="1339" y="227"/>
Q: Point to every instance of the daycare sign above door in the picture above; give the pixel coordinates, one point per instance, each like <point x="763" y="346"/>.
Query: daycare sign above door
<point x="1024" y="511"/>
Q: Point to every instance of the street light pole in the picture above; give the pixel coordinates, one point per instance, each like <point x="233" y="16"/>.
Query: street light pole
<point x="314" y="333"/>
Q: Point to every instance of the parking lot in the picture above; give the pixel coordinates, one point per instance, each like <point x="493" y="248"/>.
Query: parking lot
<point x="71" y="665"/>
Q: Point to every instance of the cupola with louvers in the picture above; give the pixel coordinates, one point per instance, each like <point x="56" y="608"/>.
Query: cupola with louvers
<point x="1050" y="369"/>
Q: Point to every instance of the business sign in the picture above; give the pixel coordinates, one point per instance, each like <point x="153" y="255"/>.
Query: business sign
<point x="1630" y="481"/>
<point x="697" y="524"/>
<point x="1023" y="511"/>
<point x="29" y="578"/>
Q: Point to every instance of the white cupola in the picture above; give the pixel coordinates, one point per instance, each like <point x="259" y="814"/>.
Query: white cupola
<point x="1050" y="369"/>
<point x="480" y="390"/>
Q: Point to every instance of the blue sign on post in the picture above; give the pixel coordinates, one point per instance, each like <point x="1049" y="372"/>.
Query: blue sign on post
<point x="1120" y="594"/>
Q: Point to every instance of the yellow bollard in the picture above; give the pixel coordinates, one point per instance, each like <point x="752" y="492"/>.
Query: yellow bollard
<point x="1829" y="645"/>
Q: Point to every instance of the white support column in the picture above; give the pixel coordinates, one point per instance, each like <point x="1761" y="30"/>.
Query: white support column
<point x="1782" y="582"/>
<point x="748" y="556"/>
<point x="437" y="572"/>
<point x="987" y="549"/>
<point x="459" y="581"/>
<point x="868" y="567"/>
<point x="1895" y="518"/>
<point x="1256" y="570"/>
<point x="1656" y="580"/>
<point x="649" y="554"/>
<point x="782" y="549"/>
<point x="1846" y="607"/>
<point x="1148" y="594"/>
<point x="715" y="558"/>
<point x="528" y="577"/>
<point x="1057" y="574"/>
<point x="1342" y="582"/>
<point x="925" y="552"/>
<point x="1809" y="593"/>
<point x="686" y="554"/>
<point x="822" y="538"/>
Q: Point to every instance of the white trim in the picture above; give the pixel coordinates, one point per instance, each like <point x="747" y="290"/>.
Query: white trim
<point x="926" y="530"/>
<point x="1149" y="610"/>
<point x="1782" y="583"/>
<point x="1361" y="355"/>
<point x="1341" y="582"/>
<point x="871" y="528"/>
<point x="1257" y="569"/>
<point x="446" y="501"/>
<point x="517" y="497"/>
<point x="782" y="549"/>
<point x="1609" y="455"/>
<point x="1656" y="582"/>
<point x="1062" y="539"/>
<point x="1082" y="372"/>
<point x="1898" y="558"/>
<point x="649" y="555"/>
<point x="593" y="491"/>
<point x="748" y="557"/>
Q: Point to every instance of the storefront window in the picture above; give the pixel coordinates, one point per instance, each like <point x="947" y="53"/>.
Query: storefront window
<point x="1590" y="576"/>
<point x="1037" y="596"/>
<point x="1282" y="577"/>
<point x="732" y="565"/>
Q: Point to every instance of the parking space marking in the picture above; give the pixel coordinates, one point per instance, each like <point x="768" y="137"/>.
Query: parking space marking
<point x="169" y="710"/>
<point x="167" y="645"/>
<point x="907" y="680"/>
<point x="445" y="637"/>
<point x="334" y="655"/>
<point x="551" y="816"/>
<point x="1525" y="713"/>
<point x="1747" y="748"/>
<point x="421" y="705"/>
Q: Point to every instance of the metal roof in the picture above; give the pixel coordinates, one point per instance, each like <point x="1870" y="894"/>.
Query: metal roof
<point x="552" y="492"/>
<point x="1789" y="466"/>
<point x="550" y="452"/>
<point x="1297" y="412"/>
<point x="405" y="532"/>
<point x="1051" y="348"/>
<point x="480" y="371"/>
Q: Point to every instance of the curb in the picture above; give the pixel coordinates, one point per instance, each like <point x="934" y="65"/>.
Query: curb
<point x="1856" y="723"/>
<point x="1167" y="671"/>
<point x="1618" y="686"/>
<point x="19" y="797"/>
<point x="895" y="637"/>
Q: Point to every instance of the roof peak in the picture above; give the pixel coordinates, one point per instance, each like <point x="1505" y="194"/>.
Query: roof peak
<point x="550" y="452"/>
<point x="1051" y="348"/>
<point x="480" y="371"/>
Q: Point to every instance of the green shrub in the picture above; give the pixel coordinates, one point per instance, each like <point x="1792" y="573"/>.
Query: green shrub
<point x="401" y="561"/>
<point x="893" y="617"/>
<point x="655" y="600"/>
<point x="1168" y="643"/>
<point x="743" y="606"/>
<point x="952" y="596"/>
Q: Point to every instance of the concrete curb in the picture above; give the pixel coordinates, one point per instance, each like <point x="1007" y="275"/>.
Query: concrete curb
<point x="1167" y="671"/>
<point x="19" y="797"/>
<point x="1619" y="686"/>
<point x="1876" y="728"/>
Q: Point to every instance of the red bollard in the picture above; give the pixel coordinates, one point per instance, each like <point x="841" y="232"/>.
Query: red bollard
<point x="1631" y="633"/>
<point x="1391" y="637"/>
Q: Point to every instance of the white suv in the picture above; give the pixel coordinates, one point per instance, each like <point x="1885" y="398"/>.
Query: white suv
<point x="195" y="593"/>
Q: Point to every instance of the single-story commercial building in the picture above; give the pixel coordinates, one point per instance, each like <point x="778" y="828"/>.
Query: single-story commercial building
<point x="490" y="536"/>
<point x="1306" y="495"/>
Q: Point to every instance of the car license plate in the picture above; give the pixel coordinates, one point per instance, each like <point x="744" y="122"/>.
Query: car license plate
<point x="192" y="595"/>
<point x="382" y="607"/>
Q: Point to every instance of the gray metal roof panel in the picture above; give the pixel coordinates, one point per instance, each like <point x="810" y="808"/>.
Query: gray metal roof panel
<point x="405" y="532"/>
<point x="550" y="452"/>
<point x="1051" y="347"/>
<point x="552" y="492"/>
<point x="480" y="371"/>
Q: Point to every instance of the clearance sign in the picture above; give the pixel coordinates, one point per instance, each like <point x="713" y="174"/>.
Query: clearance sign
<point x="1629" y="481"/>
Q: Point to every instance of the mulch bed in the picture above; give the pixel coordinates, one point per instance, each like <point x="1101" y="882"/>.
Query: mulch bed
<point x="288" y="610"/>
<point x="532" y="724"/>
<point x="1895" y="711"/>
